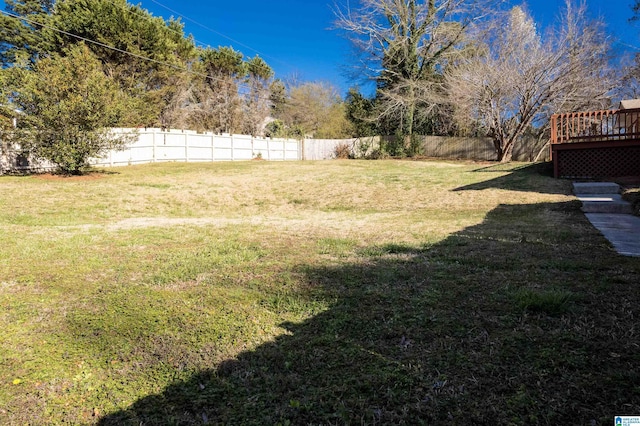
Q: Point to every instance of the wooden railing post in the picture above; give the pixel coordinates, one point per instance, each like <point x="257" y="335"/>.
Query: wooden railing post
<point x="601" y="125"/>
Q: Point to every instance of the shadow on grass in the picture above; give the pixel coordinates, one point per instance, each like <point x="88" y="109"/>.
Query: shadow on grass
<point x="525" y="325"/>
<point x="527" y="178"/>
<point x="58" y="175"/>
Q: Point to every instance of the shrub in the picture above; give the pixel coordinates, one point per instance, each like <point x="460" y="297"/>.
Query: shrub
<point x="342" y="151"/>
<point x="69" y="104"/>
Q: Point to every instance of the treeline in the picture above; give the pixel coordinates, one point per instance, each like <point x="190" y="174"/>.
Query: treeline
<point x="72" y="68"/>
<point x="441" y="67"/>
<point x="476" y="67"/>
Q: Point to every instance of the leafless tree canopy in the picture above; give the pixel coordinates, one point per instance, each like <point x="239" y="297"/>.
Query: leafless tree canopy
<point x="519" y="78"/>
<point x="314" y="109"/>
<point x="405" y="45"/>
<point x="225" y="94"/>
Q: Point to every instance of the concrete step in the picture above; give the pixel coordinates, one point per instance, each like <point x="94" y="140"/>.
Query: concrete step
<point x="604" y="203"/>
<point x="596" y="188"/>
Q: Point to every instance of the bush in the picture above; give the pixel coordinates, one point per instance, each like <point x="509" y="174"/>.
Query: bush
<point x="275" y="129"/>
<point x="342" y="151"/>
<point x="68" y="104"/>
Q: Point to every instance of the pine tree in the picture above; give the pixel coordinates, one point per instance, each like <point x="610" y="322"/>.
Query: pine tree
<point x="20" y="39"/>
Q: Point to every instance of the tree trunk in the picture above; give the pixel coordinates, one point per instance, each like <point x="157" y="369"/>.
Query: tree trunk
<point x="497" y="144"/>
<point x="507" y="152"/>
<point x="410" y="114"/>
<point x="504" y="150"/>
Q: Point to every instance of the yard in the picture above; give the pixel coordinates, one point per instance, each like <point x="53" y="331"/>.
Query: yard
<point x="342" y="292"/>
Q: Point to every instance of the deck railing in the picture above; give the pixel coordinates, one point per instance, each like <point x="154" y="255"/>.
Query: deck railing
<point x="593" y="126"/>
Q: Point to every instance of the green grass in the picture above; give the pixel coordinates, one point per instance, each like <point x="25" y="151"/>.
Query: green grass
<point x="348" y="292"/>
<point x="549" y="302"/>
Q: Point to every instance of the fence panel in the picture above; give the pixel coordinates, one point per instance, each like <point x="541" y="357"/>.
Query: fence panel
<point x="482" y="149"/>
<point x="242" y="147"/>
<point x="276" y="150"/>
<point x="459" y="147"/>
<point x="200" y="148"/>
<point x="323" y="149"/>
<point x="292" y="150"/>
<point x="156" y="145"/>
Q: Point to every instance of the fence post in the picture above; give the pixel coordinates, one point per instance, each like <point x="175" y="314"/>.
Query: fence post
<point x="213" y="147"/>
<point x="186" y="147"/>
<point x="153" y="146"/>
<point x="232" y="148"/>
<point x="268" y="149"/>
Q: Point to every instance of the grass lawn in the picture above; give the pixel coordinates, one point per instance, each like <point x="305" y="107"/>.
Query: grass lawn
<point x="342" y="292"/>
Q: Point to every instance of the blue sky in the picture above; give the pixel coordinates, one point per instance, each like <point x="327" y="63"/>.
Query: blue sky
<point x="295" y="36"/>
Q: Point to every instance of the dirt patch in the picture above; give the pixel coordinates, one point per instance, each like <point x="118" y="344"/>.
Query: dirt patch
<point x="71" y="178"/>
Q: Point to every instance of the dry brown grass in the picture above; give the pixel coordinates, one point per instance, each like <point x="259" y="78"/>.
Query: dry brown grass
<point x="330" y="292"/>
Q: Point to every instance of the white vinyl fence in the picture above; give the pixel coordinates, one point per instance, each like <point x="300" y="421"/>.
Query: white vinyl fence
<point x="156" y="145"/>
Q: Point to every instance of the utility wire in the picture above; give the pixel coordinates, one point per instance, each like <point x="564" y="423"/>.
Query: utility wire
<point x="134" y="11"/>
<point x="630" y="46"/>
<point x="186" y="18"/>
<point x="146" y="58"/>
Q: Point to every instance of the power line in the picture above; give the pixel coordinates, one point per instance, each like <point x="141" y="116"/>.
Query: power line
<point x="100" y="43"/>
<point x="186" y="18"/>
<point x="197" y="42"/>
<point x="146" y="58"/>
<point x="627" y="45"/>
<point x="133" y="11"/>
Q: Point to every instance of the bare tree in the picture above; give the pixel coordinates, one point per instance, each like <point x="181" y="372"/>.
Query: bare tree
<point x="404" y="47"/>
<point x="177" y="100"/>
<point x="192" y="104"/>
<point x="314" y="109"/>
<point x="225" y="69"/>
<point x="257" y="101"/>
<point x="629" y="87"/>
<point x="222" y="94"/>
<point x="517" y="79"/>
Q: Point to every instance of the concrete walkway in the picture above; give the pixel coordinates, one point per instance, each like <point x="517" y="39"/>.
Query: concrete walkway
<point x="611" y="215"/>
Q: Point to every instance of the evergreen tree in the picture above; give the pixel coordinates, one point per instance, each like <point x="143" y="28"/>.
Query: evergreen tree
<point x="359" y="110"/>
<point x="67" y="106"/>
<point x="131" y="29"/>
<point x="257" y="102"/>
<point x="225" y="69"/>
<point x="20" y="39"/>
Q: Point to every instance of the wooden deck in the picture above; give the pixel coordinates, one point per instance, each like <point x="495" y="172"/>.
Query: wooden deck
<point x="596" y="144"/>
